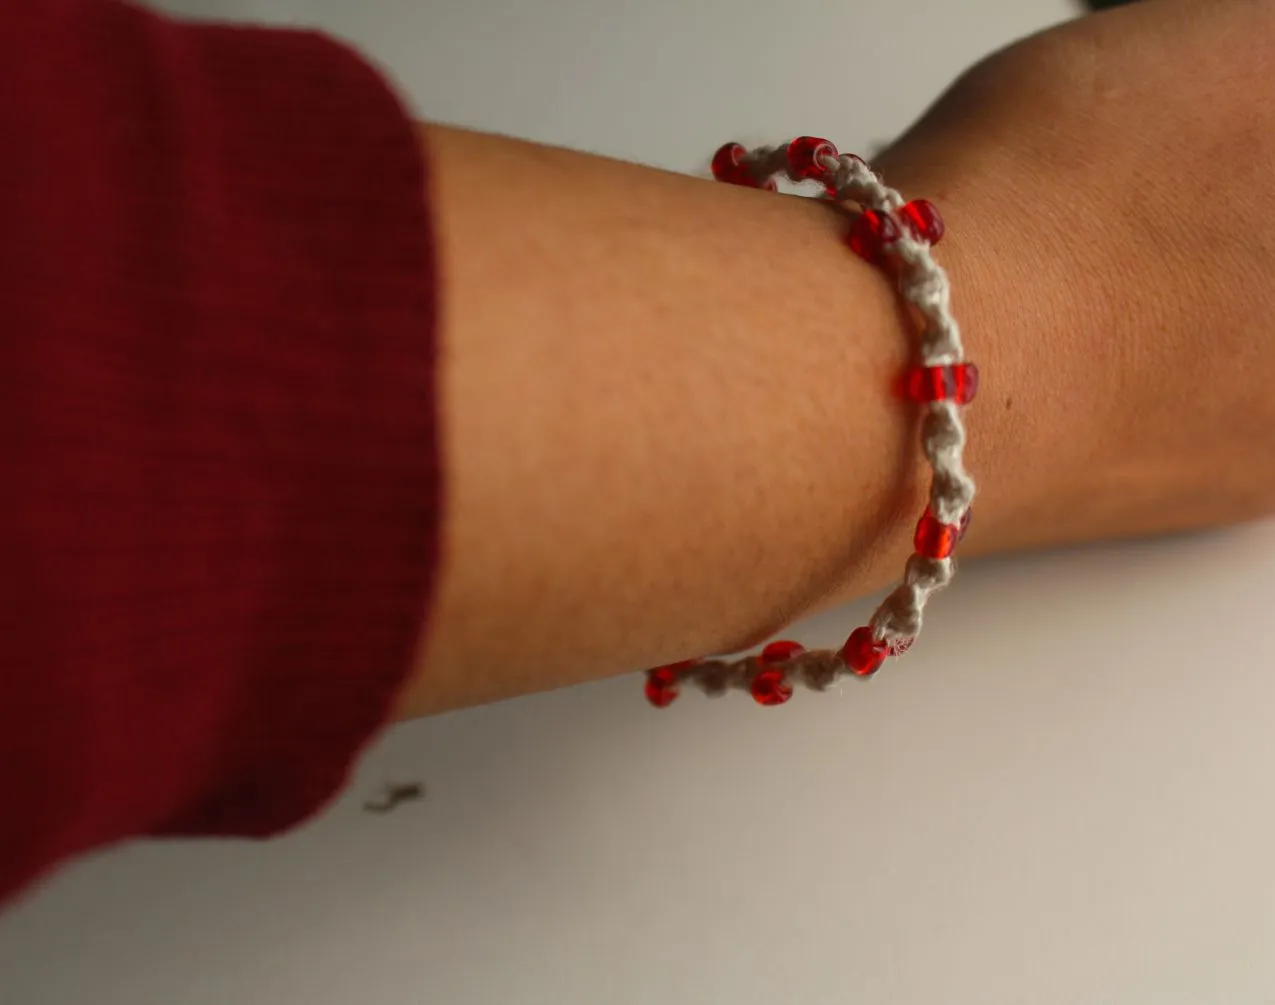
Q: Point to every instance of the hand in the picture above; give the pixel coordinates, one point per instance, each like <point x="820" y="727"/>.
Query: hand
<point x="1110" y="192"/>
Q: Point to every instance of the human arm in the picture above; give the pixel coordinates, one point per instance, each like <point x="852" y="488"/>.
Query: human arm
<point x="743" y="462"/>
<point x="668" y="421"/>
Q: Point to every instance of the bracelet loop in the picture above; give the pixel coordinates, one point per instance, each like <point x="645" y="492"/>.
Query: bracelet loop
<point x="898" y="236"/>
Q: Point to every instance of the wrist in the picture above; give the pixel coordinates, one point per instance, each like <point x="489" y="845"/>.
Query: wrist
<point x="1032" y="430"/>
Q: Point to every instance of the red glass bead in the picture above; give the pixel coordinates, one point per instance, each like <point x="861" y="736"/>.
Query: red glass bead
<point x="863" y="653"/>
<point x="957" y="382"/>
<point x="780" y="652"/>
<point x="728" y="163"/>
<point x="934" y="539"/>
<point x="771" y="687"/>
<point x="899" y="646"/>
<point x="871" y="233"/>
<point x="661" y="683"/>
<point x="729" y="166"/>
<point x="923" y="220"/>
<point x="661" y="686"/>
<point x="807" y="154"/>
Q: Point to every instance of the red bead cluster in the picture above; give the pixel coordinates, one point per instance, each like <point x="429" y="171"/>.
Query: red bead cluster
<point x="871" y="237"/>
<point x="874" y="231"/>
<point x="730" y="166"/>
<point x="863" y="652"/>
<point x="809" y="158"/>
<point x="955" y="382"/>
<point x="771" y="685"/>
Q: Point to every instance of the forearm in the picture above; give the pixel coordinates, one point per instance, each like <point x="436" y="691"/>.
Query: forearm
<point x="668" y="426"/>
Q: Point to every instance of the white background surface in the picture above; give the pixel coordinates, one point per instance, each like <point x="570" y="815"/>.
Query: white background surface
<point x="1063" y="796"/>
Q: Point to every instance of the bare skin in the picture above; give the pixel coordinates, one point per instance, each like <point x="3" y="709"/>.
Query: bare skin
<point x="668" y="427"/>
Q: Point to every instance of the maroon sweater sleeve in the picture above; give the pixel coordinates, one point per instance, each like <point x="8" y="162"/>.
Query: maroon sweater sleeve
<point x="219" y="496"/>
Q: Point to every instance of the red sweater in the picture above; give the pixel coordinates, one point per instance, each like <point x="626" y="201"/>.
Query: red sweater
<point x="220" y="497"/>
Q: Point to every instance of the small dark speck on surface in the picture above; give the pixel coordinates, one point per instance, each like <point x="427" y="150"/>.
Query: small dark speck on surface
<point x="394" y="795"/>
